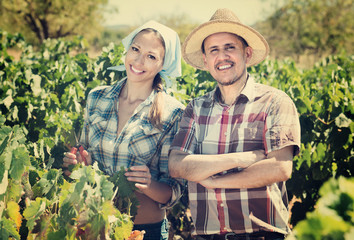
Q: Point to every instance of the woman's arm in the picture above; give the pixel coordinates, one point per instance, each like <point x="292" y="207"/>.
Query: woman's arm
<point x="159" y="192"/>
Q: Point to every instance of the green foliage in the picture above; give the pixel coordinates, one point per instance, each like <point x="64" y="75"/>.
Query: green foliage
<point x="193" y="83"/>
<point x="324" y="100"/>
<point x="333" y="217"/>
<point x="54" y="208"/>
<point x="48" y="88"/>
<point x="42" y="101"/>
<point x="81" y="208"/>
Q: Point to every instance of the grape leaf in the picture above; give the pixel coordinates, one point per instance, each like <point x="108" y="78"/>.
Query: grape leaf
<point x="13" y="210"/>
<point x="126" y="200"/>
<point x="106" y="188"/>
<point x="20" y="159"/>
<point x="34" y="211"/>
<point x="86" y="173"/>
<point x="4" y="180"/>
<point x="6" y="158"/>
<point x="67" y="214"/>
<point x="97" y="224"/>
<point x="2" y="120"/>
<point x="108" y="210"/>
<point x="76" y="195"/>
<point x="4" y="143"/>
<point x="123" y="228"/>
<point x="8" y="229"/>
<point x="14" y="190"/>
<point x="49" y="183"/>
<point x="57" y="235"/>
<point x="342" y="121"/>
<point x="36" y="85"/>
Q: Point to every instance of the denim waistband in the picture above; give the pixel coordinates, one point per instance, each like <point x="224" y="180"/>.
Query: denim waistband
<point x="148" y="225"/>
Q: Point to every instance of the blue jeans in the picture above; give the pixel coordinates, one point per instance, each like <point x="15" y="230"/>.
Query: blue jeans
<point x="154" y="231"/>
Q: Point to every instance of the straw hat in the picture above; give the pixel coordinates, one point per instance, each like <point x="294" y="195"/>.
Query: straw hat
<point x="223" y="20"/>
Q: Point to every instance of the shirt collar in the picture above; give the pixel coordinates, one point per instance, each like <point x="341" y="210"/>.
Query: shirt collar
<point x="116" y="89"/>
<point x="248" y="90"/>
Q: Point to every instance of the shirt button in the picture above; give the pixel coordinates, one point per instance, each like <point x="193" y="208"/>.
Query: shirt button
<point x="221" y="205"/>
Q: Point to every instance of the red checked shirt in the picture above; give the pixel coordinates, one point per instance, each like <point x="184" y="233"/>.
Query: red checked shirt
<point x="262" y="118"/>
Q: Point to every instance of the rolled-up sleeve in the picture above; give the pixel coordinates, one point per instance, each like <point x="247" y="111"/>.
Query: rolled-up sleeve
<point x="282" y="125"/>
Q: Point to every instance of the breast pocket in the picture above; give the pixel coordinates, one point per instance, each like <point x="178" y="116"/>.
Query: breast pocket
<point x="251" y="138"/>
<point x="143" y="143"/>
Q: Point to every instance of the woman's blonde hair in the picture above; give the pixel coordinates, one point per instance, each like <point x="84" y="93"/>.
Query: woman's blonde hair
<point x="156" y="109"/>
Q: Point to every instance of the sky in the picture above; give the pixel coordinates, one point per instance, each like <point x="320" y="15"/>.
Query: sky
<point x="135" y="12"/>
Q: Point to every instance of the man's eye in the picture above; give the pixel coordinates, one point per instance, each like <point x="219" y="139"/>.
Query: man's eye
<point x="213" y="50"/>
<point x="230" y="48"/>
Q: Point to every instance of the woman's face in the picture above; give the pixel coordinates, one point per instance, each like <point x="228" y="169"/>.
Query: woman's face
<point x="144" y="57"/>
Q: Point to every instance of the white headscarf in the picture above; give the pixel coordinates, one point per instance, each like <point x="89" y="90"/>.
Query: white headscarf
<point x="172" y="59"/>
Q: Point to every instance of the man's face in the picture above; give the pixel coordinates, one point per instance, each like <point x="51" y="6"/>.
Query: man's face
<point x="226" y="57"/>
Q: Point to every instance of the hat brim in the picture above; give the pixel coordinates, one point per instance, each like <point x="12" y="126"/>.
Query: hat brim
<point x="191" y="48"/>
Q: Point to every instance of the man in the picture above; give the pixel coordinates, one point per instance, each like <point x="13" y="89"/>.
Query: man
<point x="235" y="144"/>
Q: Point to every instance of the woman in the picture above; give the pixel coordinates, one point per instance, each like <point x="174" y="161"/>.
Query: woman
<point x="133" y="122"/>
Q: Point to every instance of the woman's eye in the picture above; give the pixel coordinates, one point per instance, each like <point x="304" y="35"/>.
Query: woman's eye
<point x="152" y="57"/>
<point x="134" y="49"/>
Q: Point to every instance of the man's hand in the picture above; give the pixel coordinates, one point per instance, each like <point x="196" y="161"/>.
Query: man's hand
<point x="207" y="183"/>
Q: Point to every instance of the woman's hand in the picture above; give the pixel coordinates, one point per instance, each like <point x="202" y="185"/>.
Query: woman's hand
<point x="157" y="191"/>
<point x="72" y="159"/>
<point x="141" y="175"/>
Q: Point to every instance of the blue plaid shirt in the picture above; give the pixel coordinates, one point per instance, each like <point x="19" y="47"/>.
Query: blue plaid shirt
<point x="139" y="143"/>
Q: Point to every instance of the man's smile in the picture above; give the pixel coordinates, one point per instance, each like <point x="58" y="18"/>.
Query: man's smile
<point x="223" y="66"/>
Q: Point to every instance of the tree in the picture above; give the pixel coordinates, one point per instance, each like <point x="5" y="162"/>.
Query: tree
<point x="42" y="19"/>
<point x="316" y="27"/>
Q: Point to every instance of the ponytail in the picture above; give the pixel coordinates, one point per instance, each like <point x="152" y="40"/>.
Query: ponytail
<point x="156" y="110"/>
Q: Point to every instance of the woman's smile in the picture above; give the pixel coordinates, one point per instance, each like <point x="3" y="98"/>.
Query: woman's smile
<point x="134" y="70"/>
